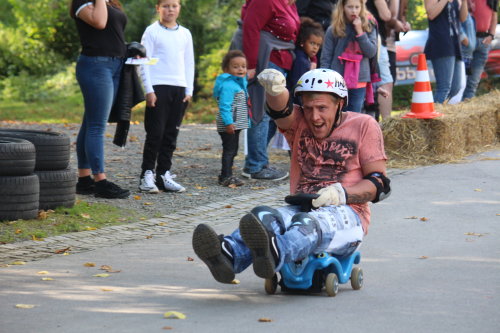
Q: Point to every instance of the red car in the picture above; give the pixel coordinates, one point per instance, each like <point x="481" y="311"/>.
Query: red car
<point x="413" y="43"/>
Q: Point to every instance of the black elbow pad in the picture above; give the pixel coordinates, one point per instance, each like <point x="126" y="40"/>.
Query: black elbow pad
<point x="384" y="189"/>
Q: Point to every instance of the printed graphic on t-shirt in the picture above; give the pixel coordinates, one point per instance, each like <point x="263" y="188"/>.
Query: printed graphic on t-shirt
<point x="322" y="162"/>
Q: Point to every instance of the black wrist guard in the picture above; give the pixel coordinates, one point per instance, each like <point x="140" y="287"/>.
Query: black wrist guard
<point x="384" y="189"/>
<point x="280" y="114"/>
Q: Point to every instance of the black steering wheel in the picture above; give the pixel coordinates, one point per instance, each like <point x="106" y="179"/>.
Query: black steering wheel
<point x="304" y="200"/>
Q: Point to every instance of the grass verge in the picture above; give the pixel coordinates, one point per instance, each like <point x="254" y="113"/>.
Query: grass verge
<point x="83" y="216"/>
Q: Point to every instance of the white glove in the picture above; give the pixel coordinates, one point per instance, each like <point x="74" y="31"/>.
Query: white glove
<point x="273" y="81"/>
<point x="330" y="195"/>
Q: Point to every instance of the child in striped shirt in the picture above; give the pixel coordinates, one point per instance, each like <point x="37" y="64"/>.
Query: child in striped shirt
<point x="230" y="91"/>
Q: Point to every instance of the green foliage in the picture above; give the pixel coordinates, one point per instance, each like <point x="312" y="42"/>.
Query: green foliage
<point x="140" y="14"/>
<point x="416" y="15"/>
<point x="27" y="88"/>
<point x="6" y="13"/>
<point x="212" y="24"/>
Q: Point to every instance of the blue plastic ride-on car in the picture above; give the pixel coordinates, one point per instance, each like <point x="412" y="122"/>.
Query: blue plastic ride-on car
<point x="318" y="271"/>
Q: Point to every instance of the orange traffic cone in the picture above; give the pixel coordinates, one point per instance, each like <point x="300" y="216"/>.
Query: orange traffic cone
<point x="422" y="102"/>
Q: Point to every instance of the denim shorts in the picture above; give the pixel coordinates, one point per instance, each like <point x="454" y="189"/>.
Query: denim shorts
<point x="384" y="66"/>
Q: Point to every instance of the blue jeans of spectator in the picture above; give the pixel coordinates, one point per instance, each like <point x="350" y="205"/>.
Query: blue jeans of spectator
<point x="479" y="57"/>
<point x="448" y="74"/>
<point x="258" y="137"/>
<point x="98" y="78"/>
<point x="356" y="100"/>
<point x="340" y="227"/>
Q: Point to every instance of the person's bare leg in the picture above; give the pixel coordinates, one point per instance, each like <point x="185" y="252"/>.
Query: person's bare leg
<point x="385" y="103"/>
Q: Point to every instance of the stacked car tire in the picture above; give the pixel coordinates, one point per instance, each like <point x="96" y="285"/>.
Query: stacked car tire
<point x="34" y="173"/>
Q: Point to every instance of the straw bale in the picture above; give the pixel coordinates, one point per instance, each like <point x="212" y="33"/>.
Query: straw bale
<point x="464" y="128"/>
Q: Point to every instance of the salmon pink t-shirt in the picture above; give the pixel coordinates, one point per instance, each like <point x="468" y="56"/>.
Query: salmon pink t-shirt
<point x="317" y="163"/>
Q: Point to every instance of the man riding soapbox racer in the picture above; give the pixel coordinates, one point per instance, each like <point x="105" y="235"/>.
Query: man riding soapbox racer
<point x="338" y="164"/>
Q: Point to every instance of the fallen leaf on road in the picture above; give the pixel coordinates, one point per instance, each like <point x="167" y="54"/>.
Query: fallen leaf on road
<point x="149" y="236"/>
<point x="137" y="197"/>
<point x="62" y="250"/>
<point x="18" y="231"/>
<point x="167" y="328"/>
<point x="235" y="281"/>
<point x="106" y="289"/>
<point x="232" y="186"/>
<point x="47" y="279"/>
<point x="198" y="187"/>
<point x="174" y="315"/>
<point x="43" y="272"/>
<point x="109" y="269"/>
<point x="25" y="306"/>
<point x="411" y="217"/>
<point x="102" y="275"/>
<point x="42" y="215"/>
<point x="18" y="263"/>
<point x="423" y="257"/>
<point x="424" y="219"/>
<point x="161" y="224"/>
<point x="478" y="190"/>
<point x="89" y="264"/>
<point x="148" y="204"/>
<point x="90" y="228"/>
<point x="228" y="206"/>
<point x="265" y="320"/>
<point x="190" y="259"/>
<point x="258" y="188"/>
<point x="473" y="234"/>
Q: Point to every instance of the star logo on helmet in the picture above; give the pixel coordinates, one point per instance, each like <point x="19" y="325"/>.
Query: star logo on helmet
<point x="329" y="84"/>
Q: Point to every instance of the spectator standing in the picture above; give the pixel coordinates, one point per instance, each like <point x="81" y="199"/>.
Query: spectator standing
<point x="320" y="11"/>
<point x="398" y="9"/>
<point x="443" y="45"/>
<point x="309" y="42"/>
<point x="386" y="20"/>
<point x="100" y="25"/>
<point x="230" y="90"/>
<point x="267" y="37"/>
<point x="484" y="12"/>
<point x="350" y="43"/>
<point x="168" y="86"/>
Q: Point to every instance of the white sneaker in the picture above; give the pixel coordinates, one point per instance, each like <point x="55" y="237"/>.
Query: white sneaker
<point x="148" y="182"/>
<point x="170" y="184"/>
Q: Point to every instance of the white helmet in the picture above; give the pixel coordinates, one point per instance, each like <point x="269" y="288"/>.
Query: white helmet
<point x="322" y="80"/>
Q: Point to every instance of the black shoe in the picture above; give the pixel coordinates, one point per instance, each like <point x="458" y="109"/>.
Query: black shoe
<point x="109" y="190"/>
<point x="263" y="245"/>
<point x="85" y="185"/>
<point x="214" y="252"/>
<point x="230" y="181"/>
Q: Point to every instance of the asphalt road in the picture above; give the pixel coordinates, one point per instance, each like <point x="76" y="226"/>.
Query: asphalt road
<point x="431" y="263"/>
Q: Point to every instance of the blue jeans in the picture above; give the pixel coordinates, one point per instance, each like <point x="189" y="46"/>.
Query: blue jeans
<point x="340" y="229"/>
<point x="479" y="57"/>
<point x="448" y="74"/>
<point x="258" y="137"/>
<point x="356" y="100"/>
<point x="98" y="78"/>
